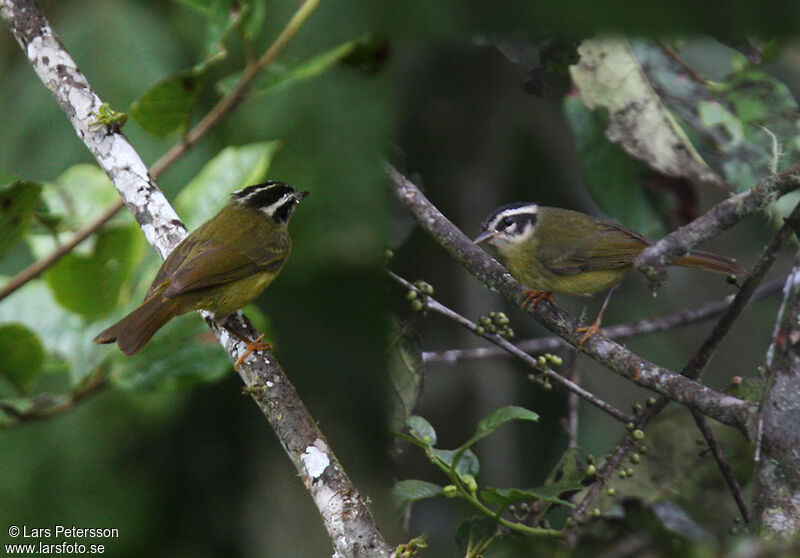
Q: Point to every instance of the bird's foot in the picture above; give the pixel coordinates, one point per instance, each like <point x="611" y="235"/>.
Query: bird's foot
<point x="532" y="298"/>
<point x="252" y="347"/>
<point x="588" y="331"/>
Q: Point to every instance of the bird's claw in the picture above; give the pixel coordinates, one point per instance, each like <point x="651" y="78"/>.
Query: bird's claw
<point x="532" y="298"/>
<point x="252" y="346"/>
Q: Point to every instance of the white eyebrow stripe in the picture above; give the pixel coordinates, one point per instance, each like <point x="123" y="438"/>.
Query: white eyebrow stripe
<point x="524" y="210"/>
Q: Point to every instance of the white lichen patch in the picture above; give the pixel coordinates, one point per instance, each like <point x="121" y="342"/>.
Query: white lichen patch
<point x="315" y="459"/>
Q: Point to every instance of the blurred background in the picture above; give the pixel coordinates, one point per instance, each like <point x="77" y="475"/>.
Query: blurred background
<point x="197" y="471"/>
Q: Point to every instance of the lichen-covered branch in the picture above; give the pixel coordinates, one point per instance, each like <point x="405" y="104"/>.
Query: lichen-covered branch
<point x="776" y="492"/>
<point x="724" y="408"/>
<point x="721" y="217"/>
<point x="344" y="511"/>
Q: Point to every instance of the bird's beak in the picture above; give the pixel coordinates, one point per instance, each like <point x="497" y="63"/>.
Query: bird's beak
<point x="302" y="195"/>
<point x="483" y="237"/>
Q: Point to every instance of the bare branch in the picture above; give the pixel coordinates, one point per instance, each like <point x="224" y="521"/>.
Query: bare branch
<point x="722" y="463"/>
<point x="724" y="408"/>
<point x="344" y="511"/>
<point x="617" y="332"/>
<point x="721" y="217"/>
<point x="436" y="306"/>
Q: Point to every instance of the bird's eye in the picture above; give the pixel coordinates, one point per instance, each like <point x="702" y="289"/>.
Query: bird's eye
<point x="506" y="222"/>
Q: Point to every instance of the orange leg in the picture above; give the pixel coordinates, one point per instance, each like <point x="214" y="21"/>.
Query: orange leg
<point x="252" y="346"/>
<point x="532" y="298"/>
<point x="593" y="329"/>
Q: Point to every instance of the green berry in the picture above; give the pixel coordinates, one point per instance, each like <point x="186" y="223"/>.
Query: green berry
<point x="611" y="492"/>
<point x="480" y="330"/>
<point x="636" y="458"/>
<point x="590" y="470"/>
<point x="450" y="491"/>
<point x="411" y="294"/>
<point x="469" y="480"/>
<point x="416" y="305"/>
<point x="638" y="434"/>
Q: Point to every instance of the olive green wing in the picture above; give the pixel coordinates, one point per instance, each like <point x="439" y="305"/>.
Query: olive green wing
<point x="600" y="245"/>
<point x="172" y="263"/>
<point x="214" y="264"/>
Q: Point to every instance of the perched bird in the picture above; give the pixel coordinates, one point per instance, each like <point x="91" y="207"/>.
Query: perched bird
<point x="221" y="267"/>
<point x="552" y="250"/>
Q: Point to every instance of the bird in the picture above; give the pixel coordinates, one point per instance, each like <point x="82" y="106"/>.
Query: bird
<point x="553" y="250"/>
<point x="223" y="265"/>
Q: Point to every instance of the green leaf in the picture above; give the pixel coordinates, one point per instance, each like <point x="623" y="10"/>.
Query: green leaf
<point x="225" y="15"/>
<point x="615" y="180"/>
<point x="468" y="463"/>
<point x="279" y="76"/>
<point x="66" y="337"/>
<point x="546" y="493"/>
<point x="421" y="429"/>
<point x="254" y="18"/>
<point x="405" y="492"/>
<point x="499" y="417"/>
<point x="18" y="201"/>
<point x="405" y="374"/>
<point x="167" y="106"/>
<point x="90" y="285"/>
<point x="79" y="195"/>
<point x="233" y="168"/>
<point x="369" y="53"/>
<point x="608" y="76"/>
<point x="23" y="356"/>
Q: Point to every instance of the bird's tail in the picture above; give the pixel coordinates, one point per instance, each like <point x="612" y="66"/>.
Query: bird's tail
<point x="134" y="330"/>
<point x="710" y="262"/>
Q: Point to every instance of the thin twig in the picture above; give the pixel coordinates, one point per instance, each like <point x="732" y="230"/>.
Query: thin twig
<point x="237" y="92"/>
<point x="573" y="405"/>
<point x="675" y="57"/>
<point x="725" y="408"/>
<point x="44" y="407"/>
<point x="621" y="331"/>
<point x="435" y="306"/>
<point x="38" y="267"/>
<point x="719" y="218"/>
<point x="722" y="463"/>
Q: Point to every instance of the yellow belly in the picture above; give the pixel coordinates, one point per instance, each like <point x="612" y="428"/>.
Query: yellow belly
<point x="227" y="299"/>
<point x="579" y="284"/>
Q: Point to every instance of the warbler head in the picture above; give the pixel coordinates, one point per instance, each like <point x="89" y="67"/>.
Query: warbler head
<point x="275" y="199"/>
<point x="509" y="226"/>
